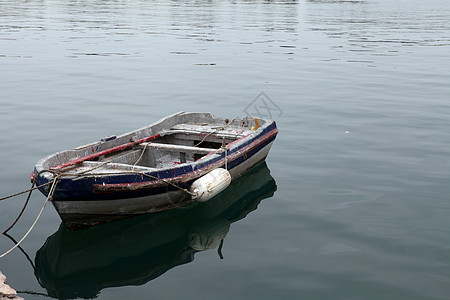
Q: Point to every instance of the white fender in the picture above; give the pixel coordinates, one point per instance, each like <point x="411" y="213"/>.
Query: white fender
<point x="210" y="184"/>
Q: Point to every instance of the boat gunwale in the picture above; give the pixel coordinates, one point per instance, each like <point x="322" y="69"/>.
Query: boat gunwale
<point x="181" y="173"/>
<point x="186" y="177"/>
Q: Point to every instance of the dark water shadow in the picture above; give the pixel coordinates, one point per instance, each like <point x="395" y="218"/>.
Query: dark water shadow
<point x="73" y="264"/>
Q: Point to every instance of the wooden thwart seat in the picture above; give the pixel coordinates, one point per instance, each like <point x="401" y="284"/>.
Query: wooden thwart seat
<point x="172" y="147"/>
<point x="209" y="129"/>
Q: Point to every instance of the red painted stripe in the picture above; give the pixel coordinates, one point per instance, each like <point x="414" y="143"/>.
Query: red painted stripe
<point x="104" y="152"/>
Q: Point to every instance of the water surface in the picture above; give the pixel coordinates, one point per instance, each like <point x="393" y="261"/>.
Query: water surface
<point x="361" y="163"/>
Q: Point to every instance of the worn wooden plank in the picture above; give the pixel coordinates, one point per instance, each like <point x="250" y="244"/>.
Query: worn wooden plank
<point x="173" y="147"/>
<point x="210" y="129"/>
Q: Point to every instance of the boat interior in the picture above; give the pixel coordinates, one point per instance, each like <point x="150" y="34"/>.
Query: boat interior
<point x="183" y="143"/>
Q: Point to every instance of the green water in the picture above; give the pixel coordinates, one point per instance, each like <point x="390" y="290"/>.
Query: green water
<point x="353" y="202"/>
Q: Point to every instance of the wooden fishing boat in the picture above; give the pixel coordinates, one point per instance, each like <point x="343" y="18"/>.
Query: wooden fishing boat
<point x="153" y="168"/>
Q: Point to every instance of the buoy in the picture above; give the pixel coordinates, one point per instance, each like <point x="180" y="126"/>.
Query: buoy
<point x="210" y="184"/>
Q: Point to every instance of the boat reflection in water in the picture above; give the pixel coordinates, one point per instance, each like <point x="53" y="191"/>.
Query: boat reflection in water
<point x="133" y="251"/>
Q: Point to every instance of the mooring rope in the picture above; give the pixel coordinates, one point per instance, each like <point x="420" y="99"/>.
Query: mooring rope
<point x="32" y="185"/>
<point x="29" y="195"/>
<point x="26" y="191"/>
<point x="142" y="154"/>
<point x="60" y="175"/>
<point x="22" y="250"/>
<point x="50" y="194"/>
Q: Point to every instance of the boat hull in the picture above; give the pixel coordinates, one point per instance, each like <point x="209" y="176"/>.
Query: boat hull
<point x="81" y="213"/>
<point x="88" y="200"/>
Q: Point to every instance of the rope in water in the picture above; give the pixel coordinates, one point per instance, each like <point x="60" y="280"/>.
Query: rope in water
<point x="28" y="198"/>
<point x="49" y="197"/>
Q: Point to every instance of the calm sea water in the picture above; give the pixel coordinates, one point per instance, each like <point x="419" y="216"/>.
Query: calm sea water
<point x="354" y="200"/>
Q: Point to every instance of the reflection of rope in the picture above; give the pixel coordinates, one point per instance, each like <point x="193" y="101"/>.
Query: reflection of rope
<point x="23" y="251"/>
<point x="28" y="198"/>
<point x="49" y="197"/>
<point x="219" y="250"/>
